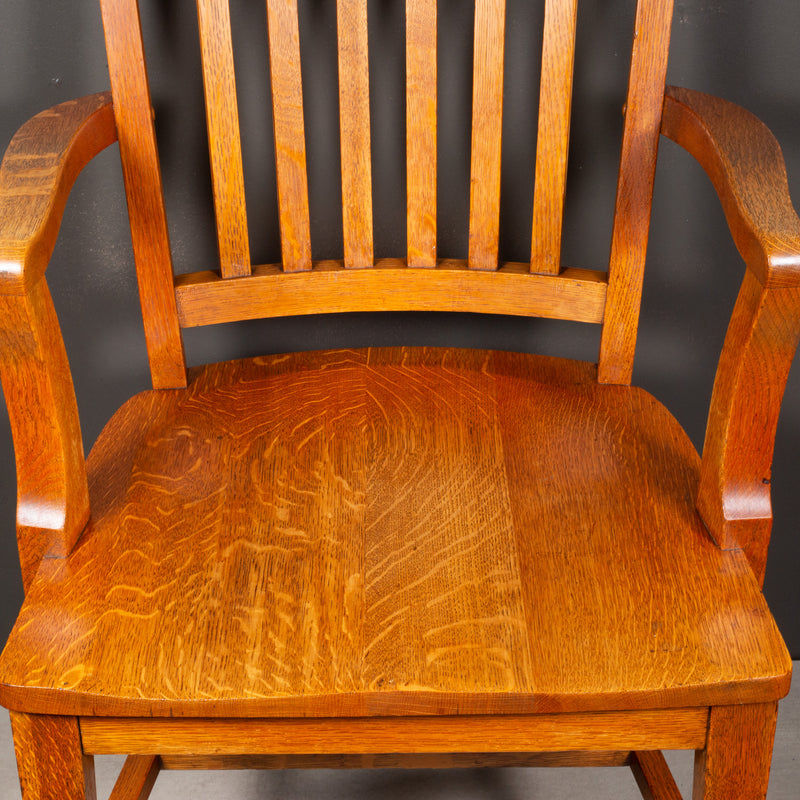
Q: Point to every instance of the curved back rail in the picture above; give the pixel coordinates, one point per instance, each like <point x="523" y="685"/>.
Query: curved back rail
<point x="423" y="279"/>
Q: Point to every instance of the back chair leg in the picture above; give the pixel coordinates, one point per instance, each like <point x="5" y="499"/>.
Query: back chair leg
<point x="735" y="763"/>
<point x="50" y="758"/>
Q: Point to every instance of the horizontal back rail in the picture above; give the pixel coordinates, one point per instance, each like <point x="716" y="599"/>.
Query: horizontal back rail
<point x="576" y="294"/>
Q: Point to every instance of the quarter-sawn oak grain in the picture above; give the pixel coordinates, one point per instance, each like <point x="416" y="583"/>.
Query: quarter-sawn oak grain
<point x="50" y="758"/>
<point x="388" y="548"/>
<point x="408" y="556"/>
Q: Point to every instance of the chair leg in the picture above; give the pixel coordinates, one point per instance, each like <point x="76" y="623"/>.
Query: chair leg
<point x="735" y="763"/>
<point x="50" y="758"/>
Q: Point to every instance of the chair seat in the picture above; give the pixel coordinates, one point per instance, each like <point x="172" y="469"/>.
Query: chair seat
<point x="391" y="532"/>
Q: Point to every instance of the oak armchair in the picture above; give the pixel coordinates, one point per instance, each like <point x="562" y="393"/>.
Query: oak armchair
<point x="406" y="556"/>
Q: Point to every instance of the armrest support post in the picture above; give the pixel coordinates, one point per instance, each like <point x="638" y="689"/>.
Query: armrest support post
<point x="37" y="173"/>
<point x="52" y="494"/>
<point x="735" y="473"/>
<point x="745" y="164"/>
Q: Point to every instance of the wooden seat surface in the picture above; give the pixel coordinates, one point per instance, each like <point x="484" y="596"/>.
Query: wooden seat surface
<point x="390" y="532"/>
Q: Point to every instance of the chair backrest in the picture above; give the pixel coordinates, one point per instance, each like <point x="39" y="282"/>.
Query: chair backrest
<point x="424" y="279"/>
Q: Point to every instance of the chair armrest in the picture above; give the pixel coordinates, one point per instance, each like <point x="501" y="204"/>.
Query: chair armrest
<point x="745" y="164"/>
<point x="37" y="172"/>
<point x="40" y="165"/>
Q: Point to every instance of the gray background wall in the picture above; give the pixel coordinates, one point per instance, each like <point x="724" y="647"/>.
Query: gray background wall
<point x="745" y="50"/>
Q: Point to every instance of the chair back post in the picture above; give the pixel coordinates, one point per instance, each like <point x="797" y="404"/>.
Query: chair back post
<point x="165" y="313"/>
<point x="635" y="189"/>
<point x="142" y="173"/>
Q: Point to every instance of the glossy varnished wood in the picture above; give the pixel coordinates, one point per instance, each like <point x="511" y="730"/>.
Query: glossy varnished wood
<point x="52" y="492"/>
<point x="635" y="189"/>
<point x="143" y="186"/>
<point x="735" y="763"/>
<point x="290" y="135"/>
<point x="203" y="298"/>
<point x="401" y="557"/>
<point x="354" y="131"/>
<point x="745" y="164"/>
<point x="39" y="167"/>
<point x="371" y="533"/>
<point x="680" y="729"/>
<point x="421" y="127"/>
<point x="37" y="172"/>
<point x="137" y="778"/>
<point x="653" y="776"/>
<point x="598" y="758"/>
<point x="487" y="133"/>
<point x="734" y="494"/>
<point x="225" y="144"/>
<point x="50" y="758"/>
<point x="552" y="144"/>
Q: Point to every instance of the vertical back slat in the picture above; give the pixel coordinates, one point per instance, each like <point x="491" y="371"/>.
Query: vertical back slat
<point x="421" y="131"/>
<point x="290" y="135"/>
<point x="635" y="189"/>
<point x="487" y="125"/>
<point x="355" y="132"/>
<point x="140" y="167"/>
<point x="555" y="103"/>
<point x="225" y="145"/>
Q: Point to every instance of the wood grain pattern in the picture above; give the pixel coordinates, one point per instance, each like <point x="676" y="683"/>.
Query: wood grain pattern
<point x="37" y="172"/>
<point x="137" y="778"/>
<point x="52" y="493"/>
<point x="441" y="505"/>
<point x="50" y="760"/>
<point x="635" y="189"/>
<point x="649" y="491"/>
<point x="735" y="762"/>
<point x="487" y="133"/>
<point x="354" y="126"/>
<point x="734" y="494"/>
<point x="745" y="164"/>
<point x="552" y="144"/>
<point x="677" y="728"/>
<point x="224" y="141"/>
<point x="421" y="126"/>
<point x="601" y="758"/>
<point x="653" y="776"/>
<point x="142" y="174"/>
<point x="576" y="294"/>
<point x="290" y="134"/>
<point x="260" y="560"/>
<point x="39" y="167"/>
<point x="394" y="557"/>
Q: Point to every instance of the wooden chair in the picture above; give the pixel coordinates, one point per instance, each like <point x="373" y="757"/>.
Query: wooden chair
<point x="413" y="556"/>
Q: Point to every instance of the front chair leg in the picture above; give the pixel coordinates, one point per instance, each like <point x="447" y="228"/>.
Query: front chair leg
<point x="50" y="758"/>
<point x="735" y="763"/>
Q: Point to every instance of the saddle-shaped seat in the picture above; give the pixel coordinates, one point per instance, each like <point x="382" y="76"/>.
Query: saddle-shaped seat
<point x="394" y="556"/>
